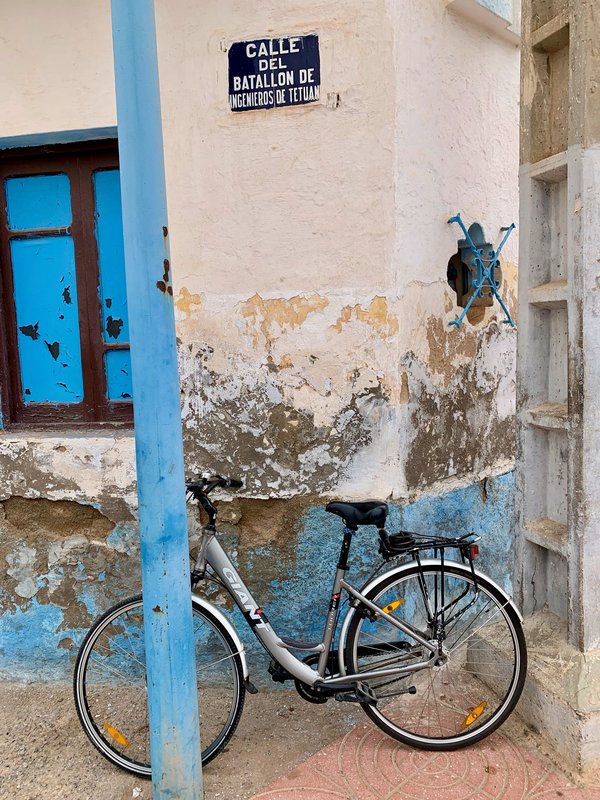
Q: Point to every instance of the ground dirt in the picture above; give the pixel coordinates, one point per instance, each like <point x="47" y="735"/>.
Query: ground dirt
<point x="44" y="754"/>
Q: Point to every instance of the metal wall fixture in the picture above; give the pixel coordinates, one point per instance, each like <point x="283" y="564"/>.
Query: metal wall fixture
<point x="483" y="273"/>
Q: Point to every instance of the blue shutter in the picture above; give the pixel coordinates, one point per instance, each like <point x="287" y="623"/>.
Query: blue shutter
<point x="45" y="289"/>
<point x="112" y="293"/>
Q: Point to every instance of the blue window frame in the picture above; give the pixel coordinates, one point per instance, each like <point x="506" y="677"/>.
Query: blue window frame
<point x="65" y="333"/>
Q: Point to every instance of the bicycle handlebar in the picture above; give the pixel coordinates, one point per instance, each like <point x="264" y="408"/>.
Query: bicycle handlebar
<point x="209" y="482"/>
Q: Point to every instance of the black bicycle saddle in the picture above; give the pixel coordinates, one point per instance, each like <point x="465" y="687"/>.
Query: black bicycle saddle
<point x="371" y="512"/>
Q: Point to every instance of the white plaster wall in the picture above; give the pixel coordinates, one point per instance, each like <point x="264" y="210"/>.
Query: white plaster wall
<point x="287" y="200"/>
<point x="457" y="135"/>
<point x="310" y="245"/>
<point x="56" y="63"/>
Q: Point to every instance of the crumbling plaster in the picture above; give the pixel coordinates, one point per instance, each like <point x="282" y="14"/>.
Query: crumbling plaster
<point x="299" y="406"/>
<point x="88" y="467"/>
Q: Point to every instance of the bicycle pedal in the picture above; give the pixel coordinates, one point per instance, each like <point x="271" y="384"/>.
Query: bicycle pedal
<point x="362" y="694"/>
<point x="347" y="697"/>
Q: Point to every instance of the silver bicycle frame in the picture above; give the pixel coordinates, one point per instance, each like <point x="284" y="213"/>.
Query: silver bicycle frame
<point x="212" y="552"/>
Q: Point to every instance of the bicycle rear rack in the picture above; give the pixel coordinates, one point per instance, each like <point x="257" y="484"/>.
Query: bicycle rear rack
<point x="406" y="543"/>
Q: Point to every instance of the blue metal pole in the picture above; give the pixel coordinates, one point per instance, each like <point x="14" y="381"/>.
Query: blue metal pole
<point x="170" y="662"/>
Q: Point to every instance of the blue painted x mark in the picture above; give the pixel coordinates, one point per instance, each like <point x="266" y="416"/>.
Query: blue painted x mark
<point x="485" y="271"/>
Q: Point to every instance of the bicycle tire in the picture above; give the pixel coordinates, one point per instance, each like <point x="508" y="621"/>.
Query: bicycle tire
<point x="468" y="706"/>
<point x="110" y="686"/>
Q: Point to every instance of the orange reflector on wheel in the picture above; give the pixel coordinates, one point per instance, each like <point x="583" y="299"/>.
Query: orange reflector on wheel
<point x="392" y="606"/>
<point x="475" y="714"/>
<point x="116" y="735"/>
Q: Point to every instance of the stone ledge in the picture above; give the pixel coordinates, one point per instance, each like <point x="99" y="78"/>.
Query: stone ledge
<point x="494" y="16"/>
<point x="561" y="698"/>
<point x="31" y="433"/>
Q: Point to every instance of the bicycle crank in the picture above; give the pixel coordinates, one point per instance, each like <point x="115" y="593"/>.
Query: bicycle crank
<point x="364" y="694"/>
<point x="317" y="694"/>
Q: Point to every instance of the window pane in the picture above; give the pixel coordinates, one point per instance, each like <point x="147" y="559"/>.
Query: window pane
<point x="118" y="375"/>
<point x="38" y="201"/>
<point x="47" y="319"/>
<point x="109" y="235"/>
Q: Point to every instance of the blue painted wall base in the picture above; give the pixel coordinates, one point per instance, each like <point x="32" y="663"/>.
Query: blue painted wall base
<point x="291" y="575"/>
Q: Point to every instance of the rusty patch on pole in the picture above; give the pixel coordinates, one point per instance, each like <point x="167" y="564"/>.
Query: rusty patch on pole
<point x="165" y="285"/>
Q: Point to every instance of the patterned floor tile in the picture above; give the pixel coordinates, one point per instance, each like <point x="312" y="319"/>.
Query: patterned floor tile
<point x="367" y="765"/>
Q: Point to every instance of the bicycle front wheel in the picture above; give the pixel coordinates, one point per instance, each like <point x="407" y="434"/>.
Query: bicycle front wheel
<point x="459" y="698"/>
<point x="110" y="685"/>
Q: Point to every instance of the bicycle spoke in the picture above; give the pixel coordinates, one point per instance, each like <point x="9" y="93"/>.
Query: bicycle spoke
<point x="132" y="657"/>
<point x="481" y="627"/>
<point x="106" y="668"/>
<point x="472" y="682"/>
<point x="111" y="690"/>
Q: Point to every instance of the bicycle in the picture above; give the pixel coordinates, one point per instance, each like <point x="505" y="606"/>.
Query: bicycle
<point x="432" y="650"/>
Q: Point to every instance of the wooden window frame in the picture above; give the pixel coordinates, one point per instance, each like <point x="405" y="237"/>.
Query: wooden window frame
<point x="78" y="162"/>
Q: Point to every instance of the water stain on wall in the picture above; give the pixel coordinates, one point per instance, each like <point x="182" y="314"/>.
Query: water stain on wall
<point x="271" y="317"/>
<point x="377" y="316"/>
<point x="458" y="427"/>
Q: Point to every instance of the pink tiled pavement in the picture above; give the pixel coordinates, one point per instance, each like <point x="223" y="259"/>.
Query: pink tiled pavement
<point x="367" y="765"/>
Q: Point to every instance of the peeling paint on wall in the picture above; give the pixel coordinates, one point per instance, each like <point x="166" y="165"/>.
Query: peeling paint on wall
<point x="461" y="427"/>
<point x="186" y="301"/>
<point x="61" y="564"/>
<point x="286" y="549"/>
<point x="279" y="315"/>
<point x="51" y="548"/>
<point x="377" y="316"/>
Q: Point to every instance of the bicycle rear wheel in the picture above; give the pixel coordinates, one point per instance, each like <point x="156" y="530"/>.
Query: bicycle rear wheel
<point x="110" y="685"/>
<point x="469" y="695"/>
